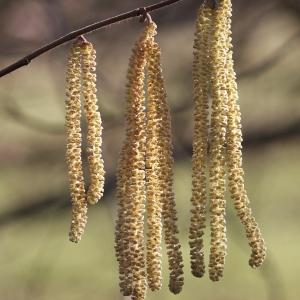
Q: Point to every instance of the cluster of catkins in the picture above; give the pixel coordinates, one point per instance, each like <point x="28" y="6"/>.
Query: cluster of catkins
<point x="145" y="169"/>
<point x="145" y="178"/>
<point x="81" y="83"/>
<point x="217" y="144"/>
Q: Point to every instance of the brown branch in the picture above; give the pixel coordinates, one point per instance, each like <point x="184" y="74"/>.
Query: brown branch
<point x="138" y="12"/>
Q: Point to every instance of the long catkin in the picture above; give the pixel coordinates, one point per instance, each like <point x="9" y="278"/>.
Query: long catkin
<point x="73" y="153"/>
<point x="93" y="117"/>
<point x="131" y="189"/>
<point x="153" y="170"/>
<point x="234" y="162"/>
<point x="166" y="175"/>
<point x="201" y="90"/>
<point x="217" y="168"/>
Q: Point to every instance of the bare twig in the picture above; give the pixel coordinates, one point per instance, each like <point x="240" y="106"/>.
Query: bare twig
<point x="138" y="12"/>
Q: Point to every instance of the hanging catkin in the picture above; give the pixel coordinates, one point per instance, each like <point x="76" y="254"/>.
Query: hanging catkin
<point x="153" y="170"/>
<point x="94" y="131"/>
<point x="73" y="153"/>
<point x="234" y="162"/>
<point x="81" y="80"/>
<point x="157" y="93"/>
<point x="201" y="89"/>
<point x="145" y="176"/>
<point x="131" y="189"/>
<point x="214" y="76"/>
<point x="217" y="166"/>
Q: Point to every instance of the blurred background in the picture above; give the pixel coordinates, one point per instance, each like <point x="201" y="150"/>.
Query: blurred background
<point x="36" y="259"/>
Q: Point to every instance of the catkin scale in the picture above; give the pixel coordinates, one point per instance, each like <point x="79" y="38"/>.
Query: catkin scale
<point x="73" y="152"/>
<point x="201" y="90"/>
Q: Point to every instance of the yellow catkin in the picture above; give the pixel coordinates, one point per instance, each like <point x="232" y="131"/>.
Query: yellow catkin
<point x="201" y="89"/>
<point x="234" y="161"/>
<point x="94" y="130"/>
<point x="73" y="153"/>
<point x="166" y="173"/>
<point x="153" y="192"/>
<point x="218" y="139"/>
<point x="131" y="186"/>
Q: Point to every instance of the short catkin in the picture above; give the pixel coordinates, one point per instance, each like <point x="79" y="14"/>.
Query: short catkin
<point x="73" y="153"/>
<point x="201" y="94"/>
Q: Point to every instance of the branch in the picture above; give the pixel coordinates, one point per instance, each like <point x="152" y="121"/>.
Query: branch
<point x="138" y="12"/>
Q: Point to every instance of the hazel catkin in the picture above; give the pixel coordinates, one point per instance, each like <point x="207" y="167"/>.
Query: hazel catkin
<point x="166" y="172"/>
<point x="217" y="168"/>
<point x="73" y="153"/>
<point x="214" y="76"/>
<point x="131" y="189"/>
<point x="94" y="130"/>
<point x="145" y="177"/>
<point x="153" y="171"/>
<point x="234" y="162"/>
<point x="201" y="94"/>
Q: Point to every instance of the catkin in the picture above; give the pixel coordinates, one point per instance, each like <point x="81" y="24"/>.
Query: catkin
<point x="201" y="90"/>
<point x="94" y="130"/>
<point x="145" y="176"/>
<point x="213" y="75"/>
<point x="166" y="174"/>
<point x="131" y="189"/>
<point x="234" y="162"/>
<point x="153" y="170"/>
<point x="73" y="153"/>
<point x="217" y="171"/>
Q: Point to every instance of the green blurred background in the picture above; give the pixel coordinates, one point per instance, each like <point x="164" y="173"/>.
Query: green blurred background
<point x="36" y="259"/>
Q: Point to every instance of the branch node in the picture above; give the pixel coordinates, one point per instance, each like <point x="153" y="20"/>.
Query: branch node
<point x="81" y="40"/>
<point x="213" y="4"/>
<point x="27" y="61"/>
<point x="145" y="16"/>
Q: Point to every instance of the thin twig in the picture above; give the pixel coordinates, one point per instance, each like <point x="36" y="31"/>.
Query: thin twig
<point x="74" y="34"/>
